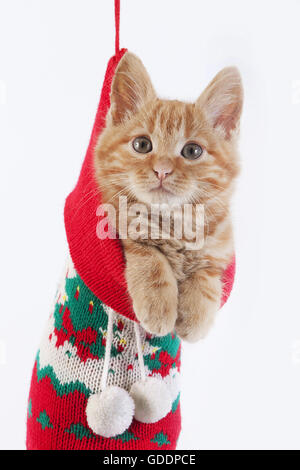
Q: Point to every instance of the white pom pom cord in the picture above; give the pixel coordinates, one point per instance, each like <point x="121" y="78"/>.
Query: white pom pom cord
<point x="110" y="412"/>
<point x="151" y="396"/>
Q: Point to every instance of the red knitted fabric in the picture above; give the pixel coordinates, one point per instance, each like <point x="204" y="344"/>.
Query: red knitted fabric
<point x="67" y="407"/>
<point x="100" y="263"/>
<point x="69" y="369"/>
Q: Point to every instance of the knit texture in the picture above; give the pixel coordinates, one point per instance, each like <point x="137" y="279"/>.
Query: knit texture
<point x="69" y="368"/>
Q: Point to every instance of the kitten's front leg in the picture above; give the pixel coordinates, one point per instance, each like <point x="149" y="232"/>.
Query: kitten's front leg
<point x="199" y="301"/>
<point x="152" y="287"/>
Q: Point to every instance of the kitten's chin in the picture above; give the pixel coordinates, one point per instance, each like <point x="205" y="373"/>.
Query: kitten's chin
<point x="159" y="196"/>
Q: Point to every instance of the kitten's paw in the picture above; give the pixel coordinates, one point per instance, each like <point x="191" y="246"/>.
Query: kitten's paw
<point x="157" y="311"/>
<point x="192" y="327"/>
<point x="197" y="309"/>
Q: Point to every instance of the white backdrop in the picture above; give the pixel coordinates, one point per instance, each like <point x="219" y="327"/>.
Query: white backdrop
<point x="241" y="386"/>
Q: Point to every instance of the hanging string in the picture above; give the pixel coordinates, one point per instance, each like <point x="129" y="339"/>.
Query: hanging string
<point x="109" y="338"/>
<point x="140" y="351"/>
<point x="117" y="24"/>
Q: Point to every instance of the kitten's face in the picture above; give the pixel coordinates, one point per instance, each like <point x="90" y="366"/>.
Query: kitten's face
<point x="157" y="151"/>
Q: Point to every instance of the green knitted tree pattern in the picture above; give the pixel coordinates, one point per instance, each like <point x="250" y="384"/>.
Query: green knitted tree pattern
<point x="161" y="439"/>
<point x="44" y="420"/>
<point x="80" y="431"/>
<point x="126" y="437"/>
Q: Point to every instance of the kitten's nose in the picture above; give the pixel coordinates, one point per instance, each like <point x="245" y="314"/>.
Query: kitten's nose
<point x="162" y="171"/>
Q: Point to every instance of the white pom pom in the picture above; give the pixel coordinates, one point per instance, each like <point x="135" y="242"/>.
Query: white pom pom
<point x="110" y="412"/>
<point x="152" y="400"/>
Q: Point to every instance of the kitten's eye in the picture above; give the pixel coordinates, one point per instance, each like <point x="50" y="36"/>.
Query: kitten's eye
<point x="142" y="145"/>
<point x="192" y="151"/>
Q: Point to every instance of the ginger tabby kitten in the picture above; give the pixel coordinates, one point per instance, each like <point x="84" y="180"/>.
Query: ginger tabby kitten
<point x="156" y="151"/>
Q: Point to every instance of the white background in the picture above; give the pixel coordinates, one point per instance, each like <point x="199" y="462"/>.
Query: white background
<point x="241" y="386"/>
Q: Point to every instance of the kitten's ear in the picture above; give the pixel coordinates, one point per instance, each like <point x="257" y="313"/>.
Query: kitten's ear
<point x="131" y="88"/>
<point x="222" y="101"/>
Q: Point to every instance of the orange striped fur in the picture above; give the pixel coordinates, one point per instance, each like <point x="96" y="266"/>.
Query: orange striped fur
<point x="172" y="287"/>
